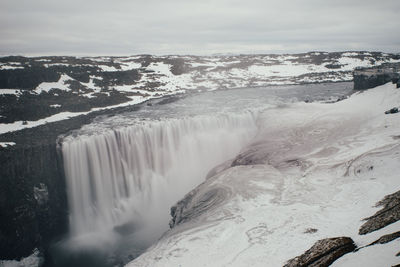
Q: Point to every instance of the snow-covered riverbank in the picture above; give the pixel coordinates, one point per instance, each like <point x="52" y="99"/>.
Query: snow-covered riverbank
<point x="314" y="171"/>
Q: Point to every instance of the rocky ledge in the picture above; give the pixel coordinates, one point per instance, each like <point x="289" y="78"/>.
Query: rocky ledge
<point x="390" y="213"/>
<point x="365" y="78"/>
<point x="323" y="252"/>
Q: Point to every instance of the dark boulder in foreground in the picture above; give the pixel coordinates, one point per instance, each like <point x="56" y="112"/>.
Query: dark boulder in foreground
<point x="323" y="252"/>
<point x="392" y="111"/>
<point x="389" y="214"/>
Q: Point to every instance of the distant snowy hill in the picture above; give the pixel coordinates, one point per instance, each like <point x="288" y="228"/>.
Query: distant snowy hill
<point x="37" y="90"/>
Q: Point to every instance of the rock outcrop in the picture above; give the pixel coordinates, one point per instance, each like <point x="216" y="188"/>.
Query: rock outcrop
<point x="386" y="238"/>
<point x="390" y="213"/>
<point x="392" y="111"/>
<point x="323" y="252"/>
<point x="366" y="78"/>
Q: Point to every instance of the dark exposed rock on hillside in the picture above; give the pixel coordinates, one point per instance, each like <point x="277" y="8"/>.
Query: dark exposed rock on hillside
<point x="365" y="78"/>
<point x="323" y="252"/>
<point x="390" y="213"/>
<point x="386" y="238"/>
<point x="392" y="111"/>
<point x="27" y="78"/>
<point x="29" y="107"/>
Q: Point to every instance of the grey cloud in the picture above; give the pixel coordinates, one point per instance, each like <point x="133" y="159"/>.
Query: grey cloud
<point x="196" y="27"/>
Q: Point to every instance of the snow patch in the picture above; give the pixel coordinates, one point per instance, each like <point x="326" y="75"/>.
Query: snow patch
<point x="6" y="144"/>
<point x="56" y="64"/>
<point x="350" y="54"/>
<point x="16" y="92"/>
<point x="5" y="67"/>
<point x="130" y="65"/>
<point x="108" y="68"/>
<point x="60" y="84"/>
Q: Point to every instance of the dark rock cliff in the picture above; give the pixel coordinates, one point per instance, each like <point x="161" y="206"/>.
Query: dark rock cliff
<point x="33" y="200"/>
<point x="365" y="78"/>
<point x="33" y="206"/>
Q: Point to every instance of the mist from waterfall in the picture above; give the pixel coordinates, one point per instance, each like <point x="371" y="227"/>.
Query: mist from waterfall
<point x="127" y="179"/>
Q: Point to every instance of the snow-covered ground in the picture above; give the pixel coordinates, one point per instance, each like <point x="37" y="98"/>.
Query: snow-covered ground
<point x="312" y="166"/>
<point x="166" y="75"/>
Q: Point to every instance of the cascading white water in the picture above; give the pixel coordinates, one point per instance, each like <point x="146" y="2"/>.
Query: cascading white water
<point x="135" y="174"/>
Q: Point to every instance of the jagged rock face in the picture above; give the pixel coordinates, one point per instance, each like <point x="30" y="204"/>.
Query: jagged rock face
<point x="390" y="213"/>
<point x="323" y="252"/>
<point x="33" y="205"/>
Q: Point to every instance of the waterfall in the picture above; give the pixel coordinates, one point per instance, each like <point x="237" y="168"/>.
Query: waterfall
<point x="133" y="175"/>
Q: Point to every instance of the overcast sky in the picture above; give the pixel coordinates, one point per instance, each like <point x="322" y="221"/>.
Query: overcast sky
<point x="127" y="27"/>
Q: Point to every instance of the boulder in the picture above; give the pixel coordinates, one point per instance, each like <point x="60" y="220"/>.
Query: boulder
<point x="390" y="213"/>
<point x="392" y="111"/>
<point x="323" y="252"/>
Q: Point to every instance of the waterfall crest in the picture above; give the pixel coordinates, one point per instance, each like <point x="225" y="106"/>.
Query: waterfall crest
<point x="135" y="174"/>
